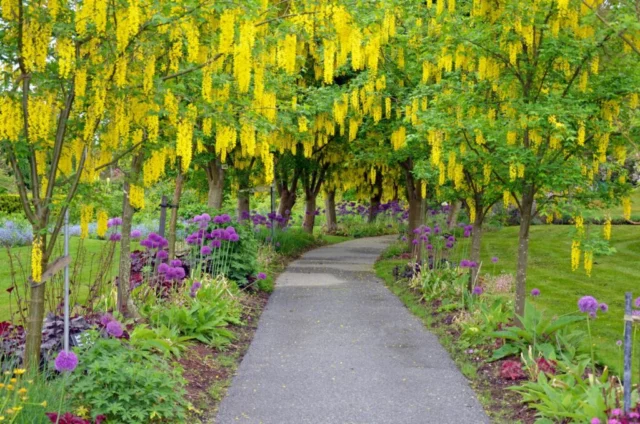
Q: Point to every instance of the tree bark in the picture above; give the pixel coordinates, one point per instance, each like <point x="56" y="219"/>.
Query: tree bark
<point x="244" y="205"/>
<point x="310" y="213"/>
<point x="330" y="211"/>
<point x="416" y="212"/>
<point x="287" y="201"/>
<point x="36" y="319"/>
<point x="476" y="244"/>
<point x="173" y="221"/>
<point x="526" y="216"/>
<point x="215" y="179"/>
<point x="454" y="210"/>
<point x="124" y="273"/>
<point x="376" y="198"/>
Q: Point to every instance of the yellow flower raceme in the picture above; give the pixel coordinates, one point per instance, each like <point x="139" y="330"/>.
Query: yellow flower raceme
<point x="36" y="260"/>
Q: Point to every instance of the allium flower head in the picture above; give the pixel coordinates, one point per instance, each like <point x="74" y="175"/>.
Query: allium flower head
<point x="176" y="262"/>
<point x="588" y="304"/>
<point x="206" y="250"/>
<point x="494" y="259"/>
<point x="66" y="361"/>
<point x="106" y="319"/>
<point x="603" y="307"/>
<point x="136" y="234"/>
<point x="637" y="302"/>
<point x="535" y="292"/>
<point x="114" y="329"/>
<point x="262" y="276"/>
<point x="115" y="237"/>
<point x="477" y="290"/>
<point x="163" y="268"/>
<point x="162" y="254"/>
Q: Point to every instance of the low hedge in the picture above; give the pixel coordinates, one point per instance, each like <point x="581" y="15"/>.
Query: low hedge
<point x="10" y="203"/>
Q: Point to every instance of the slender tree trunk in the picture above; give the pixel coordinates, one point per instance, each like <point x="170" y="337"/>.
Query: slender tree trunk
<point x="124" y="274"/>
<point x="526" y="216"/>
<point x="476" y="244"/>
<point x="416" y="219"/>
<point x="173" y="221"/>
<point x="310" y="213"/>
<point x="374" y="208"/>
<point x="35" y="320"/>
<point x="215" y="179"/>
<point x="330" y="211"/>
<point x="287" y="201"/>
<point x="244" y="200"/>
<point x="454" y="210"/>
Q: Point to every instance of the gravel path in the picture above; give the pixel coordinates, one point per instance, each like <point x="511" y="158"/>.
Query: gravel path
<point x="334" y="346"/>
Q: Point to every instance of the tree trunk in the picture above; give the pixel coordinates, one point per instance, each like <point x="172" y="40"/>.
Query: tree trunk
<point x="215" y="179"/>
<point x="476" y="244"/>
<point x="35" y="320"/>
<point x="124" y="273"/>
<point x="287" y="201"/>
<point x="416" y="219"/>
<point x="310" y="213"/>
<point x="374" y="208"/>
<point x="330" y="211"/>
<point x="244" y="200"/>
<point x="454" y="210"/>
<point x="173" y="221"/>
<point x="526" y="216"/>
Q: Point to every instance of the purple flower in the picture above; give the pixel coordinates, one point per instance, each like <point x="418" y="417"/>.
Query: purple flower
<point x="588" y="304"/>
<point x="215" y="244"/>
<point x="429" y="247"/>
<point x="613" y="421"/>
<point x="163" y="268"/>
<point x="136" y="234"/>
<point x="634" y="415"/>
<point x="603" y="307"/>
<point x="114" y="329"/>
<point x="106" y="319"/>
<point x="595" y="420"/>
<point x="234" y="237"/>
<point x="637" y="302"/>
<point x="619" y="343"/>
<point x="114" y="222"/>
<point x="616" y="412"/>
<point x="115" y="237"/>
<point x="179" y="273"/>
<point x="262" y="276"/>
<point x="414" y="241"/>
<point x="176" y="262"/>
<point x="404" y="238"/>
<point x="465" y="263"/>
<point x="66" y="361"/>
<point x="494" y="259"/>
<point x="205" y="217"/>
<point x="477" y="290"/>
<point x="162" y="254"/>
<point x="416" y="231"/>
<point x="206" y="250"/>
<point x="535" y="292"/>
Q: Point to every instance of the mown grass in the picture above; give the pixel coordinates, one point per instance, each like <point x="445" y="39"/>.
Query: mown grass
<point x="86" y="255"/>
<point x="616" y="212"/>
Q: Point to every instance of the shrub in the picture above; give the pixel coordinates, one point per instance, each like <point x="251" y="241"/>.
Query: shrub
<point x="127" y="385"/>
<point x="10" y="203"/>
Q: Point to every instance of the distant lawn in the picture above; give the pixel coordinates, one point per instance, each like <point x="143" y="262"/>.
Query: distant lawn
<point x="550" y="271"/>
<point x="87" y="261"/>
<point x="616" y="212"/>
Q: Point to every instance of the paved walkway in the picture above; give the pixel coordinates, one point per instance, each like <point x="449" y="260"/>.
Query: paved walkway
<point x="334" y="346"/>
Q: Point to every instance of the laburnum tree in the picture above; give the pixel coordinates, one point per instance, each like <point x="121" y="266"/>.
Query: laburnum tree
<point x="538" y="93"/>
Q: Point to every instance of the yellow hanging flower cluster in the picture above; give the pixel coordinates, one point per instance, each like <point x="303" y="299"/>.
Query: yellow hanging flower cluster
<point x="606" y="229"/>
<point x="588" y="262"/>
<point x="9" y="9"/>
<point x="10" y="118"/>
<point x="35" y="45"/>
<point x="103" y="219"/>
<point x="399" y="138"/>
<point x="86" y="215"/>
<point x="626" y="208"/>
<point x="184" y="143"/>
<point x="226" y="138"/>
<point x="153" y="168"/>
<point x="36" y="260"/>
<point x="579" y="222"/>
<point x="575" y="255"/>
<point x="66" y="57"/>
<point x="136" y="196"/>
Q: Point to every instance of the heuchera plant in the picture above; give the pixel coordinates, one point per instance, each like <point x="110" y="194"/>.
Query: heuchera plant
<point x="68" y="418"/>
<point x="512" y="370"/>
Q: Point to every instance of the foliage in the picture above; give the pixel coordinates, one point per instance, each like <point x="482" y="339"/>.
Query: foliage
<point x="538" y="331"/>
<point x="10" y="203"/>
<point x="127" y="384"/>
<point x="163" y="340"/>
<point x="488" y="317"/>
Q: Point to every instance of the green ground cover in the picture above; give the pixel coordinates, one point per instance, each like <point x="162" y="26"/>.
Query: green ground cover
<point x="550" y="271"/>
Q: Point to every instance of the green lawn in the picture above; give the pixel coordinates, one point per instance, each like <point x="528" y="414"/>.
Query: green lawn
<point x="86" y="259"/>
<point x="550" y="271"/>
<point x="616" y="212"/>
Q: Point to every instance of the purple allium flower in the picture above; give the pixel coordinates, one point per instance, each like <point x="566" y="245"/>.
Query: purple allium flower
<point x="429" y="247"/>
<point x="477" y="290"/>
<point x="162" y="254"/>
<point x="588" y="304"/>
<point x="206" y="250"/>
<point x="106" y="319"/>
<point x="66" y="361"/>
<point x="595" y="420"/>
<point x="449" y="245"/>
<point x="404" y="238"/>
<point x="415" y="241"/>
<point x="593" y="314"/>
<point x="176" y="262"/>
<point x="163" y="268"/>
<point x="603" y="307"/>
<point x="205" y="217"/>
<point x="234" y="237"/>
<point x="114" y="329"/>
<point x="136" y="234"/>
<point x="494" y="259"/>
<point x="616" y="412"/>
<point x="619" y="343"/>
<point x="115" y="237"/>
<point x="464" y="263"/>
<point x="216" y="244"/>
<point x="262" y="276"/>
<point x="535" y="292"/>
<point x="634" y="415"/>
<point x="637" y="302"/>
<point x="179" y="273"/>
<point x="416" y="231"/>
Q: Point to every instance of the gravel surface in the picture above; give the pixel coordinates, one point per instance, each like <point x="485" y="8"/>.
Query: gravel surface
<point x="334" y="346"/>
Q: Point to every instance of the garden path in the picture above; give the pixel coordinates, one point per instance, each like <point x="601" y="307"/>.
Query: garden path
<point x="335" y="346"/>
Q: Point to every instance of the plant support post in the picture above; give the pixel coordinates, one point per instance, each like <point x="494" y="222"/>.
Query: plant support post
<point x="66" y="282"/>
<point x="628" y="322"/>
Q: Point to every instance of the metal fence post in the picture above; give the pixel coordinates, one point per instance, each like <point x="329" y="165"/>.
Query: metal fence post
<point x="66" y="282"/>
<point x="628" y="322"/>
<point x="163" y="216"/>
